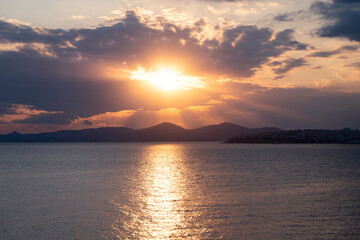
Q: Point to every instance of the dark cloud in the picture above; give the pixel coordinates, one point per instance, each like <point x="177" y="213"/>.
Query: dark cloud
<point x="354" y="65"/>
<point x="342" y="16"/>
<point x="287" y="65"/>
<point x="27" y="34"/>
<point x="285" y="17"/>
<point x="339" y="50"/>
<point x="347" y="1"/>
<point x="290" y="16"/>
<point x="317" y="67"/>
<point x="286" y="40"/>
<point x="279" y="77"/>
<point x="247" y="48"/>
<point x="275" y="63"/>
<point x="87" y="122"/>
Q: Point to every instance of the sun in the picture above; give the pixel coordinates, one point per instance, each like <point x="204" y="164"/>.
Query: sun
<point x="166" y="79"/>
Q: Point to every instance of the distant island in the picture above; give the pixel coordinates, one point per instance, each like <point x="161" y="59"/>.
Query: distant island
<point x="345" y="135"/>
<point x="164" y="132"/>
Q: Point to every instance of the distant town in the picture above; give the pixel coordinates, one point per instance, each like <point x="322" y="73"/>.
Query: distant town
<point x="345" y="135"/>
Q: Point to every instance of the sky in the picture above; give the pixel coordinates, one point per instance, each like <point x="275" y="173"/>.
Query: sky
<point x="106" y="63"/>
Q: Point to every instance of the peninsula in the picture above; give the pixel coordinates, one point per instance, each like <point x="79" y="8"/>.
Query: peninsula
<point x="345" y="135"/>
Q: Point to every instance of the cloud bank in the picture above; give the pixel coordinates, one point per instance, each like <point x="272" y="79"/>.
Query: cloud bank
<point x="81" y="76"/>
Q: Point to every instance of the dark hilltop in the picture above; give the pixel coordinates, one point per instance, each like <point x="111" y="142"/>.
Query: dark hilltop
<point x="164" y="132"/>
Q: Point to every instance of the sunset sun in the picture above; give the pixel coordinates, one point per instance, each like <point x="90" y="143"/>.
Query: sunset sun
<point x="166" y="79"/>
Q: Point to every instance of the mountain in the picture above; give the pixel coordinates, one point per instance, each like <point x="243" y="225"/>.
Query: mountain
<point x="12" y="136"/>
<point x="110" y="134"/>
<point x="219" y="132"/>
<point x="164" y="132"/>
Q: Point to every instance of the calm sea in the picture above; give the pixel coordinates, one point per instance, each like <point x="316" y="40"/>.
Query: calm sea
<point x="181" y="191"/>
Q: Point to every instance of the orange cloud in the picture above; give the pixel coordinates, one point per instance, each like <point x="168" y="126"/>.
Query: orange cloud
<point x="19" y="112"/>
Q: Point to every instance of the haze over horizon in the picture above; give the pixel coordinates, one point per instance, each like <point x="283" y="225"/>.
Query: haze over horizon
<point x="89" y="64"/>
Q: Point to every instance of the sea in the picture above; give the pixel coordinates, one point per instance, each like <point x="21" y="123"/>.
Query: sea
<point x="88" y="191"/>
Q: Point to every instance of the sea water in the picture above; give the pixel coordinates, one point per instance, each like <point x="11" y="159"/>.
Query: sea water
<point x="179" y="191"/>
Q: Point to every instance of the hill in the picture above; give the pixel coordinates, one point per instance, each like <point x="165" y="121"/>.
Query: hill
<point x="164" y="132"/>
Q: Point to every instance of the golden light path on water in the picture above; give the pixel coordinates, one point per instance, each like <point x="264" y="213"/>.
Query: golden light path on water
<point x="164" y="203"/>
<point x="164" y="182"/>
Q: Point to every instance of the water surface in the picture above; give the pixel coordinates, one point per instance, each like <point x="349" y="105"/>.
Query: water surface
<point x="180" y="190"/>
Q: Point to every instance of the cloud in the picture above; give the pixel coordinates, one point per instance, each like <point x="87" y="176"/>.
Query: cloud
<point x="24" y="33"/>
<point x="113" y="119"/>
<point x="242" y="50"/>
<point x="255" y="106"/>
<point x="354" y="65"/>
<point x="287" y="65"/>
<point x="247" y="48"/>
<point x="67" y="71"/>
<point x="317" y="67"/>
<point x="285" y="17"/>
<point x="87" y="122"/>
<point x="292" y="108"/>
<point x="326" y="54"/>
<point x="342" y="16"/>
<point x="18" y="113"/>
<point x="290" y="16"/>
<point x="109" y="41"/>
<point x="46" y="118"/>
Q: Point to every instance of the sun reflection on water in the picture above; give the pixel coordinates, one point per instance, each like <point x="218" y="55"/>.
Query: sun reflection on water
<point x="160" y="204"/>
<point x="163" y="181"/>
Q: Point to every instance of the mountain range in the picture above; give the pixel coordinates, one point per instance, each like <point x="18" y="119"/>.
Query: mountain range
<point x="164" y="132"/>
